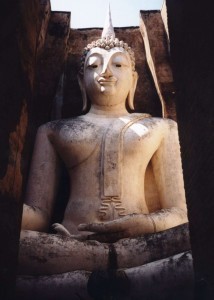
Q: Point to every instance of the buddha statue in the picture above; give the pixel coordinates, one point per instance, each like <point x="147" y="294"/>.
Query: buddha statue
<point x="124" y="169"/>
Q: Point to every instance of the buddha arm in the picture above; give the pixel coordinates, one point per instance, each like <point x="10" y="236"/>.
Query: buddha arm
<point x="42" y="183"/>
<point x="167" y="168"/>
<point x="33" y="219"/>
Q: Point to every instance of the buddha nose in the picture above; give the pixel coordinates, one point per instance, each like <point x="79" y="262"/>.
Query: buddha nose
<point x="106" y="71"/>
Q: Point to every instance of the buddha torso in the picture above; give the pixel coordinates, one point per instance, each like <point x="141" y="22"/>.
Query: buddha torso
<point x="106" y="158"/>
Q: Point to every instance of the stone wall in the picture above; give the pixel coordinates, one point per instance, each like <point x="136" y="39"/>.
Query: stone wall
<point x="13" y="126"/>
<point x="156" y="44"/>
<point x="191" y="34"/>
<point x="28" y="29"/>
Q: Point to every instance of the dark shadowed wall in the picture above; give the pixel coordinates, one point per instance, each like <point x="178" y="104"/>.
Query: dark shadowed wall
<point x="191" y="33"/>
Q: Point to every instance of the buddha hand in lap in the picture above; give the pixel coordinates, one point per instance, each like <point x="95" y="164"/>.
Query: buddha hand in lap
<point x="124" y="169"/>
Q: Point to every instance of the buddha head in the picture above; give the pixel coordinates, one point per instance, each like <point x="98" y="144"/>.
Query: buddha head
<point x="107" y="74"/>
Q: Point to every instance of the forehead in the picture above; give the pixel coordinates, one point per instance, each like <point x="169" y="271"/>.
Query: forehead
<point x="100" y="52"/>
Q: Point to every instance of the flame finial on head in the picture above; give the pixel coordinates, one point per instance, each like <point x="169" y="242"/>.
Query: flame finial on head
<point x="107" y="42"/>
<point x="108" y="30"/>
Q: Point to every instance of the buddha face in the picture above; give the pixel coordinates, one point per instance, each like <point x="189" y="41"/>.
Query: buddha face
<point x="108" y="76"/>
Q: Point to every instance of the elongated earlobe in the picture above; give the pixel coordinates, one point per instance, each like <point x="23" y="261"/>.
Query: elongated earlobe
<point x="83" y="92"/>
<point x="130" y="98"/>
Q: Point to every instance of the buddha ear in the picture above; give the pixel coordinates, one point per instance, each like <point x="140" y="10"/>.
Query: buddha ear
<point x="130" y="98"/>
<point x="83" y="92"/>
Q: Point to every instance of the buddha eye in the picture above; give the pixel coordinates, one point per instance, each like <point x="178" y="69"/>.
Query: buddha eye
<point x="118" y="65"/>
<point x="94" y="66"/>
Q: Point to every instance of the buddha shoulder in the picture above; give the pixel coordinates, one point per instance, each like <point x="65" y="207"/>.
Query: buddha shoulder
<point x="154" y="123"/>
<point x="69" y="126"/>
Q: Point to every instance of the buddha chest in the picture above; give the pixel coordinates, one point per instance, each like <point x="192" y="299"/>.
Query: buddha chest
<point x="106" y="140"/>
<point x="105" y="153"/>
